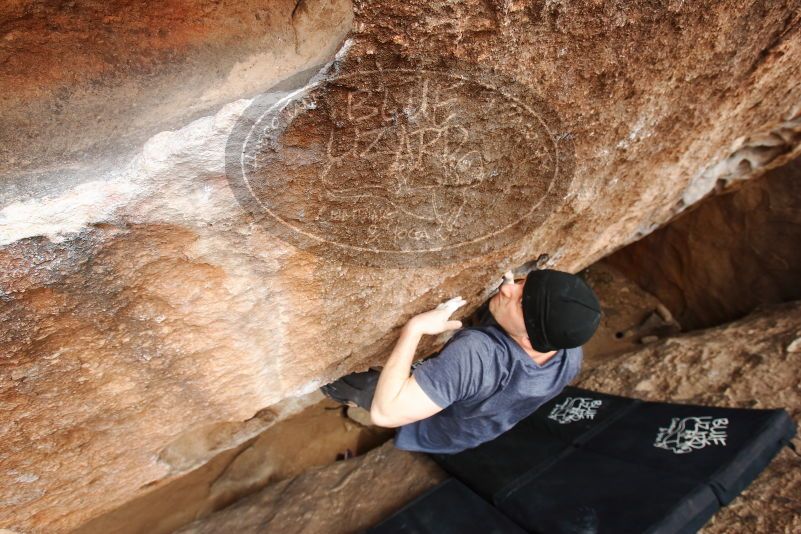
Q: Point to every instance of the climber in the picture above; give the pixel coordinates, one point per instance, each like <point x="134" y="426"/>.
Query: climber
<point x="486" y="378"/>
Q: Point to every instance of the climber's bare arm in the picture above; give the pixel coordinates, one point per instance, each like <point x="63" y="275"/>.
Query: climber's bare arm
<point x="398" y="400"/>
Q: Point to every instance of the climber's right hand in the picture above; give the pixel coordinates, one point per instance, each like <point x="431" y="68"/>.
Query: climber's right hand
<point x="437" y="321"/>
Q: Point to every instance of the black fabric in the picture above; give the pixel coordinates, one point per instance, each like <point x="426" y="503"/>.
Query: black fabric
<point x="493" y="466"/>
<point x="588" y="460"/>
<point x="560" y="310"/>
<point x="585" y="492"/>
<point x="752" y="438"/>
<point x="449" y="508"/>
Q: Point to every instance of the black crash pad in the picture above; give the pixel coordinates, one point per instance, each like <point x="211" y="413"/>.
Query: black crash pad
<point x="566" y="420"/>
<point x="591" y="462"/>
<point x="724" y="447"/>
<point x="492" y="467"/>
<point x="584" y="492"/>
<point x="448" y="508"/>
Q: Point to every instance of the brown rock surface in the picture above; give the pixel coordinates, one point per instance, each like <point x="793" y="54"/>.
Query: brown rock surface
<point x="146" y="318"/>
<point x="628" y="315"/>
<point x="84" y="83"/>
<point x="731" y="254"/>
<point x="745" y="364"/>
<point x="316" y="436"/>
<point x="347" y="496"/>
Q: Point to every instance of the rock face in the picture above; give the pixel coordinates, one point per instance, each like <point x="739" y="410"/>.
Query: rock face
<point x="630" y="316"/>
<point x="316" y="436"/>
<point x="84" y="84"/>
<point x="753" y="363"/>
<point x="159" y="290"/>
<point x="700" y="263"/>
<point x="344" y="497"/>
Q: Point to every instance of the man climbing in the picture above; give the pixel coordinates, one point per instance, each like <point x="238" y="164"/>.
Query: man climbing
<point x="487" y="377"/>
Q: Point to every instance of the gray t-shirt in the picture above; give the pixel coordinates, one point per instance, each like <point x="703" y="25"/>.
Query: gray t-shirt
<point x="485" y="382"/>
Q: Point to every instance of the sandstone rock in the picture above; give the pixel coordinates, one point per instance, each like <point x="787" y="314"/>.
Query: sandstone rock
<point x="83" y="85"/>
<point x="743" y="365"/>
<point x="150" y="310"/>
<point x="316" y="436"/>
<point x="626" y="314"/>
<point x="360" y="416"/>
<point x="734" y="253"/>
<point x="347" y="496"/>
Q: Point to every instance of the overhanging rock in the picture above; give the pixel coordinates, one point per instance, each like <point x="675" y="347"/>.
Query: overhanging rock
<point x="162" y="300"/>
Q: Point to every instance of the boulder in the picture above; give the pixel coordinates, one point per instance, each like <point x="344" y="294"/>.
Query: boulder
<point x="198" y="223"/>
<point x="347" y="496"/>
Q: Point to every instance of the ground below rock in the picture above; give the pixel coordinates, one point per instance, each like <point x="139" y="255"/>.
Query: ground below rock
<point x="630" y="316"/>
<point x="347" y="496"/>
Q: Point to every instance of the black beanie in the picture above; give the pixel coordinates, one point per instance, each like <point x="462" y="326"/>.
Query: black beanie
<point x="560" y="310"/>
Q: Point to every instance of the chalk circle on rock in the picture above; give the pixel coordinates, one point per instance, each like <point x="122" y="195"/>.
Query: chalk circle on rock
<point x="400" y="167"/>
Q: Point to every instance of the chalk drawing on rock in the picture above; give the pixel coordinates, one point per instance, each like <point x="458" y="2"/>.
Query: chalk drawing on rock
<point x="400" y="167"/>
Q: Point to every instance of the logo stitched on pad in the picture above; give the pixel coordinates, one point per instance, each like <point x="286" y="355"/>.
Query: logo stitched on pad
<point x="692" y="433"/>
<point x="575" y="409"/>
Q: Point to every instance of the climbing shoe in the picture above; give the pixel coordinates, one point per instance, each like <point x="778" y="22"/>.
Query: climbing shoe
<point x="356" y="389"/>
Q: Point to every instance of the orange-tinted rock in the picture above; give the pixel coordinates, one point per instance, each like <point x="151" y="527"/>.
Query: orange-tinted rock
<point x="731" y="254"/>
<point x="147" y="317"/>
<point x="88" y="82"/>
<point x="628" y="315"/>
<point x="348" y="496"/>
<point x="317" y="436"/>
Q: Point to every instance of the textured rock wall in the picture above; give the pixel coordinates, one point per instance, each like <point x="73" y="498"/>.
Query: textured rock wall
<point x="153" y="307"/>
<point x="343" y="497"/>
<point x="84" y="84"/>
<point x="731" y="254"/>
<point x="317" y="436"/>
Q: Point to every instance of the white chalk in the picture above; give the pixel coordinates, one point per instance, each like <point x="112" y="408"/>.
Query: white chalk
<point x="453" y="304"/>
